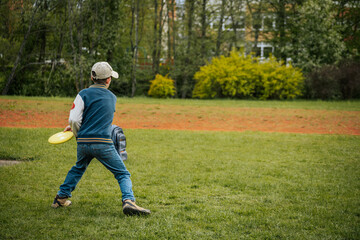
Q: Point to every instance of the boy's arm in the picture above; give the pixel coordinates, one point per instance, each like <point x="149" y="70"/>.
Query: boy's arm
<point x="76" y="114"/>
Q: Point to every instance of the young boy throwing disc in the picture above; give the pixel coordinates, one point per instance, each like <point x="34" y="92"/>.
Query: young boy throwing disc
<point x="90" y="120"/>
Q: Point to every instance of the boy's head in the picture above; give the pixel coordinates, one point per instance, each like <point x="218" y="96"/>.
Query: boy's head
<point x="101" y="72"/>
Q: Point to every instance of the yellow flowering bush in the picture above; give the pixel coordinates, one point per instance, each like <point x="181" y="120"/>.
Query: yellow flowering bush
<point x="162" y="87"/>
<point x="240" y="76"/>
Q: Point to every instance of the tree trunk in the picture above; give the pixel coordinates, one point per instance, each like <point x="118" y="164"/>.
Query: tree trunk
<point x="42" y="45"/>
<point x="74" y="52"/>
<point x="256" y="21"/>
<point x="135" y="56"/>
<point x="80" y="41"/>
<point x="174" y="29"/>
<point x="282" y="34"/>
<point x="154" y="53"/>
<point x="191" y="9"/>
<point x="42" y="34"/>
<point x="190" y="24"/>
<point x="234" y="24"/>
<point x="47" y="85"/>
<point x="19" y="55"/>
<point x="132" y="26"/>
<point x="203" y="29"/>
<point x="159" y="39"/>
<point x="168" y="60"/>
<point x="60" y="47"/>
<point x="173" y="8"/>
<point x="221" y="22"/>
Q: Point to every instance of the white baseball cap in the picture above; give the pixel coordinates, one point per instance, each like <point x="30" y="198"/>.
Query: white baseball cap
<point x="103" y="70"/>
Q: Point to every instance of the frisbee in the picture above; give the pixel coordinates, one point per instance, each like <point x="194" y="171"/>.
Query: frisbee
<point x="60" y="137"/>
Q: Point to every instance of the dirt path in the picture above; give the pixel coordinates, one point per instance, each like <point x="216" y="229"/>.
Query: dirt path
<point x="8" y="162"/>
<point x="36" y="114"/>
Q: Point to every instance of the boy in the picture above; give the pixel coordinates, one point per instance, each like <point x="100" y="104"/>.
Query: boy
<point x="90" y="120"/>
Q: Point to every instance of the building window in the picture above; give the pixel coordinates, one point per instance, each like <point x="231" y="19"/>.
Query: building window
<point x="267" y="51"/>
<point x="263" y="50"/>
<point x="258" y="52"/>
<point x="241" y="24"/>
<point x="268" y="23"/>
<point x="257" y="21"/>
<point x="180" y="2"/>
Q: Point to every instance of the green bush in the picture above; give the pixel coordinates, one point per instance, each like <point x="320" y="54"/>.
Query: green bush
<point x="321" y="83"/>
<point x="337" y="81"/>
<point x="240" y="76"/>
<point x="162" y="87"/>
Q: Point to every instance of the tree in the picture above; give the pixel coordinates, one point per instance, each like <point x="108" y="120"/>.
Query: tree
<point x="256" y="9"/>
<point x="135" y="5"/>
<point x="190" y="4"/>
<point x="220" y="27"/>
<point x="169" y="8"/>
<point x="237" y="21"/>
<point x="174" y="28"/>
<point x="158" y="28"/>
<point x="19" y="55"/>
<point x="203" y="28"/>
<point x="348" y="16"/>
<point x="318" y="41"/>
<point x="281" y="28"/>
<point x="59" y="46"/>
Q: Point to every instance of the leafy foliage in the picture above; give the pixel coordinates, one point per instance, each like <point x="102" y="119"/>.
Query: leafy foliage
<point x="67" y="37"/>
<point x="240" y="76"/>
<point x="162" y="87"/>
<point x="348" y="16"/>
<point x="318" y="40"/>
<point x="340" y="81"/>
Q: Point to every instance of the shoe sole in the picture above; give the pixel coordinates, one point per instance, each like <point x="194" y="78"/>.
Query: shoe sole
<point x="132" y="212"/>
<point x="56" y="205"/>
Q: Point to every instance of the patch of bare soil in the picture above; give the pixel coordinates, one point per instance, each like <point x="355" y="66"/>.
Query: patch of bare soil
<point x="8" y="162"/>
<point x="174" y="117"/>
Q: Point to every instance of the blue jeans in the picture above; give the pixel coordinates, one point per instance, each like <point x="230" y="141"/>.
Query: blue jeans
<point x="109" y="157"/>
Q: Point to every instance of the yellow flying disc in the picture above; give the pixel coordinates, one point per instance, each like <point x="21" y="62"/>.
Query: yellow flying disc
<point x="60" y="137"/>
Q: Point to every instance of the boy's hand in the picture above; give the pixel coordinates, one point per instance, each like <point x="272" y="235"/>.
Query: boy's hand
<point x="68" y="128"/>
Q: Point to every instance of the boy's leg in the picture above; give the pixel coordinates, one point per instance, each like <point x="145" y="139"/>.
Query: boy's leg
<point x="110" y="158"/>
<point x="74" y="175"/>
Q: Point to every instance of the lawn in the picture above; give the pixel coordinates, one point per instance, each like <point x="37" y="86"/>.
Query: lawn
<point x="198" y="185"/>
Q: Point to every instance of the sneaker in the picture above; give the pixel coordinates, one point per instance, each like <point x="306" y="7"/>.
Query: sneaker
<point x="130" y="208"/>
<point x="61" y="202"/>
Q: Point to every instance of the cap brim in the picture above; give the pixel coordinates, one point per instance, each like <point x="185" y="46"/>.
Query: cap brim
<point x="114" y="74"/>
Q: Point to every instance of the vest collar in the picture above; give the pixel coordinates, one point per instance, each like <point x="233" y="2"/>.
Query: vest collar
<point x="96" y="85"/>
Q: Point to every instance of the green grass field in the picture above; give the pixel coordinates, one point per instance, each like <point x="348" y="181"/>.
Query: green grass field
<point x="198" y="185"/>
